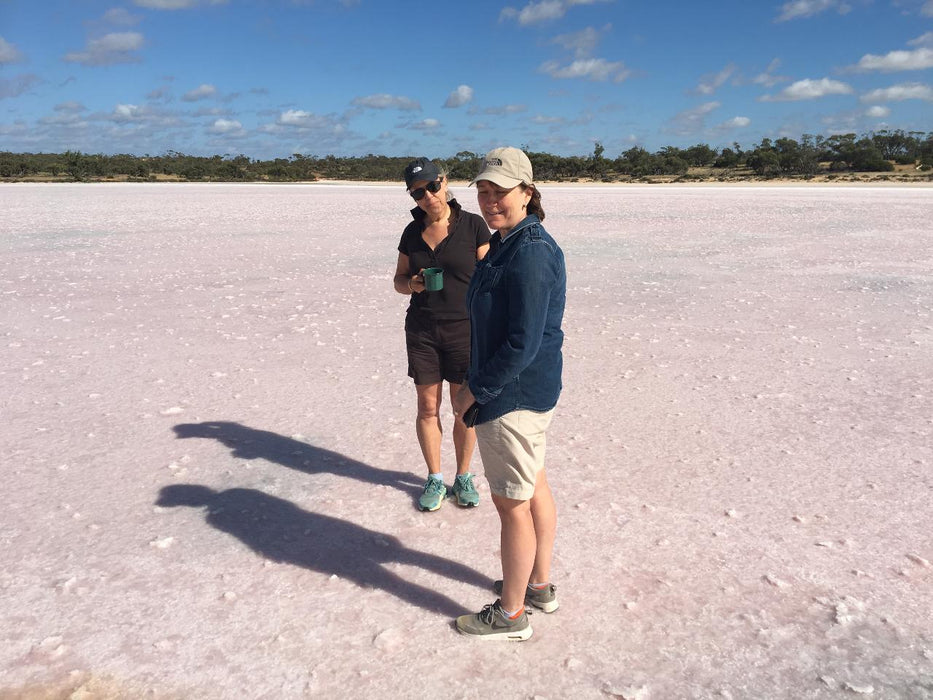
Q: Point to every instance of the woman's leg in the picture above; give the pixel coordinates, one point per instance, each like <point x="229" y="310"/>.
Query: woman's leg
<point x="544" y="515"/>
<point x="464" y="438"/>
<point x="428" y="425"/>
<point x="519" y="545"/>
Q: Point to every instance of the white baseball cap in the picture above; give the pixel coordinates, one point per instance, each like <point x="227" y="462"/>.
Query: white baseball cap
<point x="507" y="167"/>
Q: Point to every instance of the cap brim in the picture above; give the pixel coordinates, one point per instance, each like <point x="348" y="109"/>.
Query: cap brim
<point x="498" y="179"/>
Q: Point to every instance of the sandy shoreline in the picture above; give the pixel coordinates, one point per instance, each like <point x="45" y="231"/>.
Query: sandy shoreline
<point x="911" y="182"/>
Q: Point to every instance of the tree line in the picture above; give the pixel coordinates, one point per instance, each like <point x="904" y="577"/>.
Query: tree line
<point x="784" y="157"/>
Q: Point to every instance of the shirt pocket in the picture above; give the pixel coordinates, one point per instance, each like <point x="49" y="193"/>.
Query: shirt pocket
<point x="486" y="278"/>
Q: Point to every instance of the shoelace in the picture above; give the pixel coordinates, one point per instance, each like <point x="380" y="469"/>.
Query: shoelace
<point x="487" y="613"/>
<point x="466" y="485"/>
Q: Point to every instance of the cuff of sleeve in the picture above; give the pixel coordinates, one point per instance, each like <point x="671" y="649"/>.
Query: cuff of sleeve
<point x="480" y="394"/>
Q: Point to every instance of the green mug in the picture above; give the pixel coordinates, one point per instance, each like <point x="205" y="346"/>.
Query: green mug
<point x="433" y="279"/>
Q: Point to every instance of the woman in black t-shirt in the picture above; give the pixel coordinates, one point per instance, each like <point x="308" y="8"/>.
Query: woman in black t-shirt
<point x="437" y="325"/>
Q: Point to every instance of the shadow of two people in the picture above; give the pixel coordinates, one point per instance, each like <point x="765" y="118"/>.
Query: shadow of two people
<point x="251" y="443"/>
<point x="281" y="531"/>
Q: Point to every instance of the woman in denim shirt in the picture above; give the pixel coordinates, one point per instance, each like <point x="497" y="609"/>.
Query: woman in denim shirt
<point x="516" y="302"/>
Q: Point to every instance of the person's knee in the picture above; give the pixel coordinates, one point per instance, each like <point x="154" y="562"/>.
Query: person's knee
<point x="427" y="413"/>
<point x="428" y="402"/>
<point x="510" y="507"/>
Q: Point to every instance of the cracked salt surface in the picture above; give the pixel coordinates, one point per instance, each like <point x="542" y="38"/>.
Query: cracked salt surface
<point x="210" y="465"/>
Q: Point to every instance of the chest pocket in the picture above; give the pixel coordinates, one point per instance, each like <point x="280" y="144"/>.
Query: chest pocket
<point x="487" y="277"/>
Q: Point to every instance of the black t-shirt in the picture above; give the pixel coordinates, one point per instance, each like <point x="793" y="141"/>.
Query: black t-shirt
<point x="456" y="255"/>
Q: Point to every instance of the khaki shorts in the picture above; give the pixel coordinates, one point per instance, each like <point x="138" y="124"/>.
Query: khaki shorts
<point x="512" y="449"/>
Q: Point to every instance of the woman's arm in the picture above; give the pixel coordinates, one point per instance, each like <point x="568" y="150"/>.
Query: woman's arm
<point x="403" y="282"/>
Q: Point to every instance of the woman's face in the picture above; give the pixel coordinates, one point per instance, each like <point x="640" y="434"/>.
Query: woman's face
<point x="432" y="203"/>
<point x="502" y="208"/>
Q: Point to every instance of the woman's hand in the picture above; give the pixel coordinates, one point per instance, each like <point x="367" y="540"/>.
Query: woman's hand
<point x="462" y="401"/>
<point x="416" y="284"/>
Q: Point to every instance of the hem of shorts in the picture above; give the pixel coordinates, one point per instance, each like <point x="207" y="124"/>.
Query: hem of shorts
<point x="505" y="494"/>
<point x="439" y="381"/>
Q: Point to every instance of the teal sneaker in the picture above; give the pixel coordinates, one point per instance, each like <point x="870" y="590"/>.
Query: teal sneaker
<point x="465" y="492"/>
<point x="434" y="494"/>
<point x="491" y="624"/>
<point x="544" y="599"/>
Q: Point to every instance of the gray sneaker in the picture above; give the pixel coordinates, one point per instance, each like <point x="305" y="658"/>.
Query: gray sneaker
<point x="465" y="491"/>
<point x="544" y="599"/>
<point x="434" y="494"/>
<point x="490" y="623"/>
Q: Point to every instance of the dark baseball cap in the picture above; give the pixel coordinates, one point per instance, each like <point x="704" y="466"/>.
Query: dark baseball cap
<point x="420" y="169"/>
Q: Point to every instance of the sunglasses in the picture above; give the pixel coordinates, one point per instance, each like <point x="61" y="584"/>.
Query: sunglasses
<point x="432" y="187"/>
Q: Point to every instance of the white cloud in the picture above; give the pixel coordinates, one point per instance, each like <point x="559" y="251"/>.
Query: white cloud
<point x="227" y="127"/>
<point x="711" y="82"/>
<point x="70" y="106"/>
<point x="116" y="47"/>
<point x="8" y="52"/>
<point x="426" y="125"/>
<point x="897" y="60"/>
<point x="384" y="101"/>
<point x="899" y="93"/>
<point x="459" y="97"/>
<point x="768" y="78"/>
<point x="126" y="113"/>
<point x="541" y="119"/>
<point x="596" y="69"/>
<point x="202" y="92"/>
<point x="735" y="123"/>
<point x="809" y="8"/>
<point x="809" y="90"/>
<point x="543" y="10"/>
<point x="583" y="42"/>
<point x="176" y="4"/>
<point x="301" y="119"/>
<point x="63" y="120"/>
<point x="923" y="39"/>
<point x="927" y="9"/>
<point x="877" y="112"/>
<point x="317" y="131"/>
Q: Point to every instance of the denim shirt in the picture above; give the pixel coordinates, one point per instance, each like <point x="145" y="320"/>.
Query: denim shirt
<point x="516" y="301"/>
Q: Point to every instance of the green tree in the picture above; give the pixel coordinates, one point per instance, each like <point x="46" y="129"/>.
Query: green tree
<point x="726" y="159"/>
<point x="765" y="163"/>
<point x="700" y="155"/>
<point x="76" y="165"/>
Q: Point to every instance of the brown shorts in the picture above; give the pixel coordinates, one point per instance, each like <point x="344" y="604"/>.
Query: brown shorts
<point x="512" y="449"/>
<point x="437" y="351"/>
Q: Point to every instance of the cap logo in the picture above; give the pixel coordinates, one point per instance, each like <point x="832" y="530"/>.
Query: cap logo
<point x="494" y="161"/>
<point x="416" y="169"/>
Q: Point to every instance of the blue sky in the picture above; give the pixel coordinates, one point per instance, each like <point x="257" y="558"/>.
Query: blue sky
<point x="269" y="78"/>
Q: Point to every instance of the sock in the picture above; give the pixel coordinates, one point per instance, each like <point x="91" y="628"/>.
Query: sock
<point x="438" y="476"/>
<point x="511" y="614"/>
<point x="538" y="586"/>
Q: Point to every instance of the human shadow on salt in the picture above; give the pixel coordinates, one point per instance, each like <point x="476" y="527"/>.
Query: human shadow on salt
<point x="281" y="531"/>
<point x="251" y="443"/>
